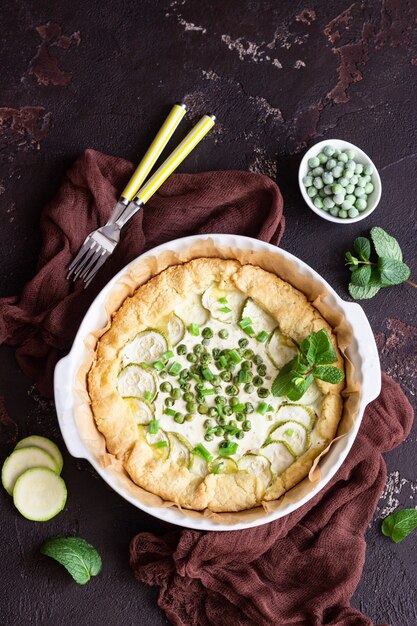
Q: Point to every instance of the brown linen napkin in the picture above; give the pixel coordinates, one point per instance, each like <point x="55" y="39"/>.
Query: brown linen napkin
<point x="299" y="570"/>
<point x="43" y="320"/>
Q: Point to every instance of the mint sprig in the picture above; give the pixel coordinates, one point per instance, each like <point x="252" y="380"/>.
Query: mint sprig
<point x="78" y="556"/>
<point x="313" y="360"/>
<point x="399" y="524"/>
<point x="387" y="269"/>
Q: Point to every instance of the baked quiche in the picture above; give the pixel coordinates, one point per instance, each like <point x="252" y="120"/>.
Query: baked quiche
<point x="182" y="386"/>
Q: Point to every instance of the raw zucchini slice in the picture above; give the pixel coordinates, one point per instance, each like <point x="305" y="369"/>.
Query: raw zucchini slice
<point x="142" y="411"/>
<point x="179" y="451"/>
<point x="45" y="444"/>
<point x="295" y="436"/>
<point x="296" y="412"/>
<point x="223" y="305"/>
<point x="223" y="465"/>
<point x="146" y="347"/>
<point x="134" y="381"/>
<point x="261" y="320"/>
<point x="21" y="460"/>
<point x="279" y="455"/>
<point x="198" y="466"/>
<point x="280" y="349"/>
<point x="192" y="311"/>
<point x="175" y="329"/>
<point x="154" y="439"/>
<point x="39" y="494"/>
<point x="256" y="464"/>
<point x="312" y="394"/>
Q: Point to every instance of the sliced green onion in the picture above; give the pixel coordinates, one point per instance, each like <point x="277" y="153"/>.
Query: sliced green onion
<point x="160" y="444"/>
<point x="243" y="376"/>
<point x="148" y="396"/>
<point x="219" y="409"/>
<point x="194" y="329"/>
<point x="207" y="373"/>
<point x="196" y="378"/>
<point x="207" y="392"/>
<point x="228" y="450"/>
<point x="175" y="368"/>
<point x="171" y="412"/>
<point x="249" y="331"/>
<point x="262" y="408"/>
<point x="231" y="429"/>
<point x="238" y="408"/>
<point x="153" y="427"/>
<point x="145" y="365"/>
<point x="158" y="365"/>
<point x="245" y="322"/>
<point x="235" y="356"/>
<point x="223" y="300"/>
<point x="225" y="309"/>
<point x="289" y="432"/>
<point x="262" y="336"/>
<point x="270" y="408"/>
<point x="201" y="451"/>
<point x="168" y="355"/>
<point x="223" y="361"/>
<point x="218" y="467"/>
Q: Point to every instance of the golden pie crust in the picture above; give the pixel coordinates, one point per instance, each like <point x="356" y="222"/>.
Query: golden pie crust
<point x="156" y="299"/>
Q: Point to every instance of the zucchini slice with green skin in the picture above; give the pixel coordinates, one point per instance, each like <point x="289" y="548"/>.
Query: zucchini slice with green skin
<point x="298" y="413"/>
<point x="294" y="435"/>
<point x="39" y="494"/>
<point x="179" y="451"/>
<point x="24" y="459"/>
<point x="160" y="436"/>
<point x="223" y="465"/>
<point x="192" y="311"/>
<point x="261" y="320"/>
<point x="312" y="394"/>
<point x="175" y="329"/>
<point x="280" y="349"/>
<point x="142" y="411"/>
<point x="146" y="347"/>
<point x="198" y="466"/>
<point x="280" y="456"/>
<point x="45" y="444"/>
<point x="134" y="381"/>
<point x="256" y="464"/>
<point x="223" y="305"/>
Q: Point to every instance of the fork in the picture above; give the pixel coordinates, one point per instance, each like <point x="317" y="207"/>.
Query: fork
<point x="100" y="243"/>
<point x="103" y="238"/>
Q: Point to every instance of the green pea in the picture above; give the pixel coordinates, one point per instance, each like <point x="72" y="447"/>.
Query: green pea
<point x="328" y="151"/>
<point x="317" y="182"/>
<point x="202" y="409"/>
<point x="336" y="188"/>
<point x="318" y="171"/>
<point x="205" y="341"/>
<point x="227" y="410"/>
<point x="176" y="393"/>
<point x="233" y="401"/>
<point x="231" y="390"/>
<point x="249" y="387"/>
<point x="209" y="423"/>
<point x="353" y="212"/>
<point x="216" y="353"/>
<point x="246" y="426"/>
<point x="263" y="392"/>
<point x="361" y="204"/>
<point x="207" y="332"/>
<point x="350" y="188"/>
<point x="328" y="203"/>
<point x="307" y="181"/>
<point x="169" y="401"/>
<point x="361" y="182"/>
<point x="179" y="418"/>
<point x="350" y="153"/>
<point x="248" y="354"/>
<point x="313" y="162"/>
<point x="219" y="431"/>
<point x="243" y="342"/>
<point x="343" y="157"/>
<point x="343" y="181"/>
<point x="369" y="188"/>
<point x="328" y="178"/>
<point x="258" y="360"/>
<point x="191" y="357"/>
<point x="226" y="376"/>
<point x="189" y="417"/>
<point x="348" y="174"/>
<point x="327" y="190"/>
<point x="191" y="407"/>
<point x="195" y="369"/>
<point x="181" y="349"/>
<point x="354" y="180"/>
<point x="368" y="169"/>
<point x="337" y="152"/>
<point x="249" y="408"/>
<point x="240" y="416"/>
<point x="322" y="158"/>
<point x="342" y="213"/>
<point x="331" y="163"/>
<point x="223" y="333"/>
<point x="208" y="437"/>
<point x="213" y="412"/>
<point x="261" y="369"/>
<point x="185" y="386"/>
<point x="345" y="206"/>
<point x="337" y="171"/>
<point x="318" y="202"/>
<point x="311" y="192"/>
<point x="198" y="349"/>
<point x="188" y="397"/>
<point x="334" y="211"/>
<point x="338" y="198"/>
<point x="350" y="198"/>
<point x="359" y="192"/>
<point x="258" y="381"/>
<point x="358" y="168"/>
<point x="367" y="178"/>
<point x="165" y="387"/>
<point x="322" y="193"/>
<point x="240" y="434"/>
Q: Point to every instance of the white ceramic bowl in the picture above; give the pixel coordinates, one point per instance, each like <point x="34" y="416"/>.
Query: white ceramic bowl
<point x="363" y="353"/>
<point x="360" y="157"/>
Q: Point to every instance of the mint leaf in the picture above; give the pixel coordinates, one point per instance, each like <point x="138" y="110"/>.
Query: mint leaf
<point x="392" y="272"/>
<point x="362" y="247"/>
<point x="283" y="382"/>
<point x="385" y="245"/>
<point x="351" y="261"/>
<point x="328" y="373"/>
<point x="363" y="293"/>
<point x="297" y="391"/>
<point x="78" y="557"/>
<point x="399" y="524"/>
<point x="361" y="276"/>
<point x="325" y="352"/>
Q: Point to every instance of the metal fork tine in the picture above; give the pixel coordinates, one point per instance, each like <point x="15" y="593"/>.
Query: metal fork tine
<point x="94" y="253"/>
<point x="79" y="260"/>
<point x="94" y="270"/>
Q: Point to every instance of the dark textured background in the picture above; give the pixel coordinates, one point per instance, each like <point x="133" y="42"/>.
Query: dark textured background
<point x="278" y="75"/>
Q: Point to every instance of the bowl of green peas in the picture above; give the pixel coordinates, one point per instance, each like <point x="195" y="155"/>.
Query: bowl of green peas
<point x="339" y="181"/>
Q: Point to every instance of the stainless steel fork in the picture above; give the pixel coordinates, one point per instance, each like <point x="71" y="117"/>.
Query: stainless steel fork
<point x="100" y="243"/>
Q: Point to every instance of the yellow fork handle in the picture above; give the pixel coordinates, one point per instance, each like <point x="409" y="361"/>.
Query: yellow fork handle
<point x="164" y="135"/>
<point x="189" y="142"/>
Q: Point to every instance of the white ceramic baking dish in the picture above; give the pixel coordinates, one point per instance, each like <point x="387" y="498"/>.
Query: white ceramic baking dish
<point x="363" y="353"/>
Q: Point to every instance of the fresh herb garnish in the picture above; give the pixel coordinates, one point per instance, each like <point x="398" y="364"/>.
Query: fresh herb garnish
<point x="387" y="269"/>
<point x="400" y="524"/>
<point x="313" y="360"/>
<point x="78" y="557"/>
